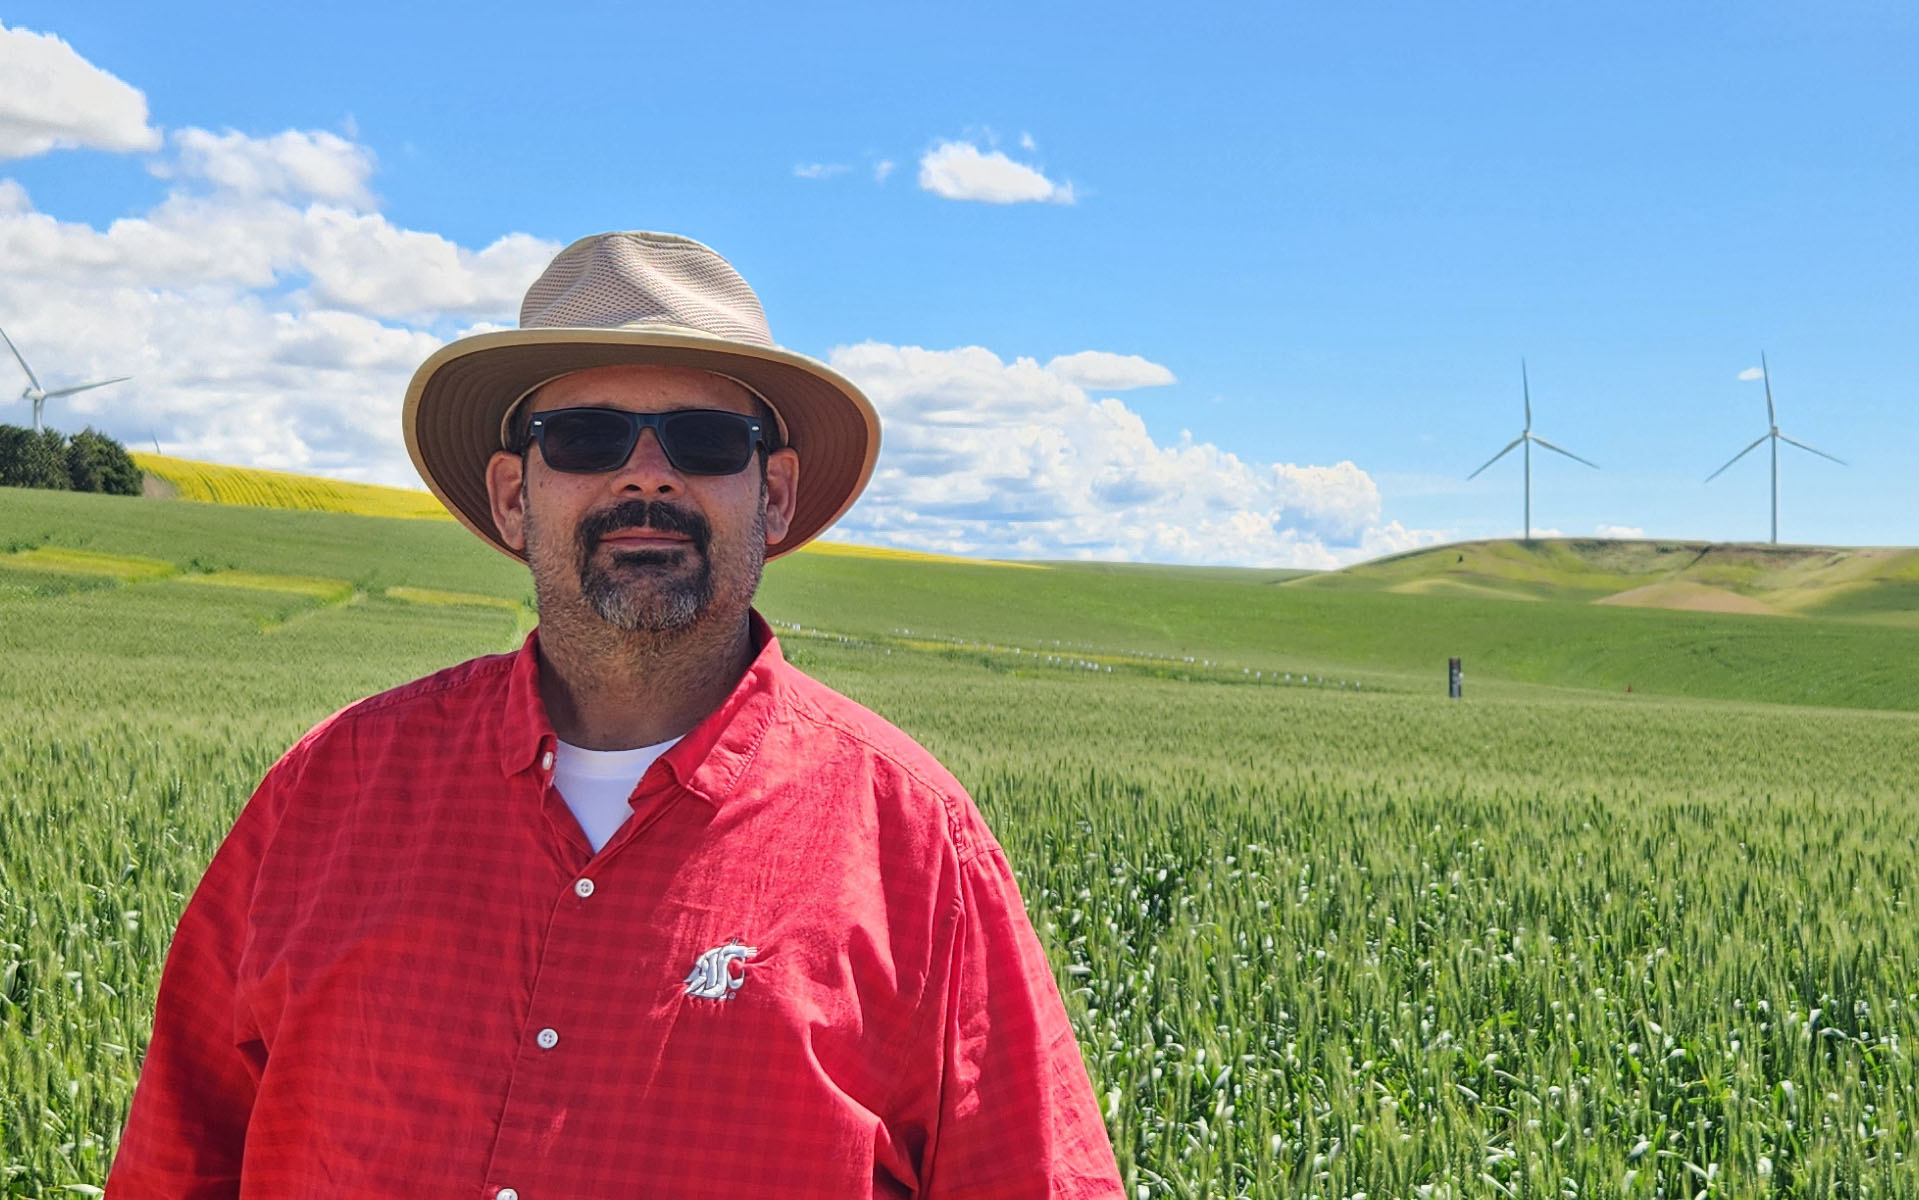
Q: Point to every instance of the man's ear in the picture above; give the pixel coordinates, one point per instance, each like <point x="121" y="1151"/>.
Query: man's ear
<point x="782" y="492"/>
<point x="506" y="492"/>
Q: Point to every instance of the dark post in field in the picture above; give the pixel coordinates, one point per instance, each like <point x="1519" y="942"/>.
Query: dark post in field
<point x="1453" y="678"/>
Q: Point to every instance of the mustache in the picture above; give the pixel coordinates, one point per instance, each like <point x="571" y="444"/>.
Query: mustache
<point x="644" y="514"/>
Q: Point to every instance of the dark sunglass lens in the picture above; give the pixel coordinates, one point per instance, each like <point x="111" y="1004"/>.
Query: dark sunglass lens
<point x="586" y="440"/>
<point x="707" y="443"/>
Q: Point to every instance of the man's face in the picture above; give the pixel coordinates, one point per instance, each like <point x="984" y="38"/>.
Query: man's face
<point x="644" y="547"/>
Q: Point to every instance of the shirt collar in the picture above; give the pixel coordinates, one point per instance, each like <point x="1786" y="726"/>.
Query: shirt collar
<point x="708" y="761"/>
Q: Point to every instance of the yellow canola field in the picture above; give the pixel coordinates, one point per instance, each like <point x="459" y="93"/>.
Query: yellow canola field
<point x="211" y="483"/>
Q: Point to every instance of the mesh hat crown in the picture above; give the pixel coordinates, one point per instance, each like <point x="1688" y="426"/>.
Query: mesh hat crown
<point x="645" y="279"/>
<point x="625" y="298"/>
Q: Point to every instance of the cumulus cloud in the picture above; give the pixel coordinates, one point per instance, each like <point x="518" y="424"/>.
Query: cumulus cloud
<point x="1619" y="531"/>
<point x="52" y="98"/>
<point x="1752" y="373"/>
<point x="235" y="242"/>
<point x="819" y="170"/>
<point x="294" y="165"/>
<point x="265" y="317"/>
<point x="962" y="171"/>
<point x="983" y="456"/>
<point x="882" y="169"/>
<point x="366" y="264"/>
<point x="1099" y="370"/>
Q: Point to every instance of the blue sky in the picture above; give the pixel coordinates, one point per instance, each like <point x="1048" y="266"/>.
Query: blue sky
<point x="1336" y="229"/>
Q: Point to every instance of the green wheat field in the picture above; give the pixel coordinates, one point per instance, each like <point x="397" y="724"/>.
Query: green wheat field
<point x="1632" y="919"/>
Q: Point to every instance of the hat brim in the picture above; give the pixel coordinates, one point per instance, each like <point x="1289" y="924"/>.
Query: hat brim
<point x="458" y="397"/>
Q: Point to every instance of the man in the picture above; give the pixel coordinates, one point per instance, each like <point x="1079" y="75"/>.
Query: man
<point x="639" y="910"/>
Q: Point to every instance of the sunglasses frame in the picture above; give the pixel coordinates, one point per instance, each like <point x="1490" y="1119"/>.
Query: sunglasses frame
<point x="638" y="422"/>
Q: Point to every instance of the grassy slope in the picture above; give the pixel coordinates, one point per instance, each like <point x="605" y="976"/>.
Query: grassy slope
<point x="434" y="554"/>
<point x="1390" y="638"/>
<point x="1249" y="620"/>
<point x="1878" y="584"/>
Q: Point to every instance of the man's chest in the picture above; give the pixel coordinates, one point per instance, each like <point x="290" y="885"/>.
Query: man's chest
<point x="526" y="1006"/>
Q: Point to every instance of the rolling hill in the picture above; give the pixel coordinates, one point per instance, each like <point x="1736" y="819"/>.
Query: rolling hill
<point x="1872" y="584"/>
<point x="1520" y="616"/>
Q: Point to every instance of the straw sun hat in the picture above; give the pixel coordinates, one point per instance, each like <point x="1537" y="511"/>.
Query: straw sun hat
<point x="619" y="298"/>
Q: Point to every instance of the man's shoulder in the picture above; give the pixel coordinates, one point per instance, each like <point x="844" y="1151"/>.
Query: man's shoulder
<point x="845" y="739"/>
<point x="837" y="718"/>
<point x="450" y="689"/>
<point x="459" y="681"/>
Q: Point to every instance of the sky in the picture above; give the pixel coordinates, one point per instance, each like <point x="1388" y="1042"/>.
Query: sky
<point x="1227" y="284"/>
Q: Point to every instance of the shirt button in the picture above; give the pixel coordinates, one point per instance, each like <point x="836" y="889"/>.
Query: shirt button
<point x="506" y="1194"/>
<point x="548" y="1039"/>
<point x="583" y="888"/>
<point x="546" y="764"/>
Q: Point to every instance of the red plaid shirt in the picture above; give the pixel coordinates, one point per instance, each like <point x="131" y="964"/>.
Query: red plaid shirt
<point x="406" y="973"/>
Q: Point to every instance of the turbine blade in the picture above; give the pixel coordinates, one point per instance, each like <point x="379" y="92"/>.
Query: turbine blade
<point x="1569" y="454"/>
<point x="1735" y="458"/>
<point x="86" y="386"/>
<point x="31" y="377"/>
<point x="1772" y="418"/>
<point x="1803" y="446"/>
<point x="1526" y="388"/>
<point x="1495" y="458"/>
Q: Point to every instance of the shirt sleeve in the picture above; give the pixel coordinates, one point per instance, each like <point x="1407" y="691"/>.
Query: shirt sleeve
<point x="1016" y="1116"/>
<point x="186" y="1130"/>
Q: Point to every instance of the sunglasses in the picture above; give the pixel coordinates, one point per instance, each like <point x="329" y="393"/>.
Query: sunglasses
<point x="696" y="441"/>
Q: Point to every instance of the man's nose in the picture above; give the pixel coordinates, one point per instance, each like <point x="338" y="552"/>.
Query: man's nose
<point x="646" y="470"/>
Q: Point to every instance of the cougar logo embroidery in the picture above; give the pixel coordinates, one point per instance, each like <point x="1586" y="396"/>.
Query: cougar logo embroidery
<point x="712" y="976"/>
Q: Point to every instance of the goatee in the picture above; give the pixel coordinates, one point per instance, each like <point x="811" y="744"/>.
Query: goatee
<point x="646" y="591"/>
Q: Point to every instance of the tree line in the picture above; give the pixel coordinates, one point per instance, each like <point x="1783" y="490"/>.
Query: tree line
<point x="89" y="461"/>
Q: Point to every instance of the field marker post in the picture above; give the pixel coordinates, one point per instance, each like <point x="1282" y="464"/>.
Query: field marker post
<point x="1454" y="676"/>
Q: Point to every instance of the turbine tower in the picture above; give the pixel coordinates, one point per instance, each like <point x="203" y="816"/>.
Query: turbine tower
<point x="38" y="396"/>
<point x="1772" y="433"/>
<point x="1526" y="439"/>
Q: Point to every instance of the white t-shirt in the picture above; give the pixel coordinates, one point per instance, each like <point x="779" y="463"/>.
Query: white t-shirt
<point x="596" y="785"/>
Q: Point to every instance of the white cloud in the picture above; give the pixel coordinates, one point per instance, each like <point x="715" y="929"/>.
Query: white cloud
<point x="819" y="170"/>
<point x="1027" y="143"/>
<point x="985" y="456"/>
<point x="292" y="165"/>
<point x="366" y="264"/>
<point x="1099" y="370"/>
<point x="882" y="169"/>
<point x="51" y="98"/>
<point x="1619" y="531"/>
<point x="264" y="318"/>
<point x="1393" y="538"/>
<point x="961" y="171"/>
<point x="236" y="241"/>
<point x="1752" y="373"/>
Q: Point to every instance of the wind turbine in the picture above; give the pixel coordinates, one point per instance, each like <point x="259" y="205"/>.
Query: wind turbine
<point x="38" y="396"/>
<point x="1772" y="432"/>
<point x="1526" y="438"/>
